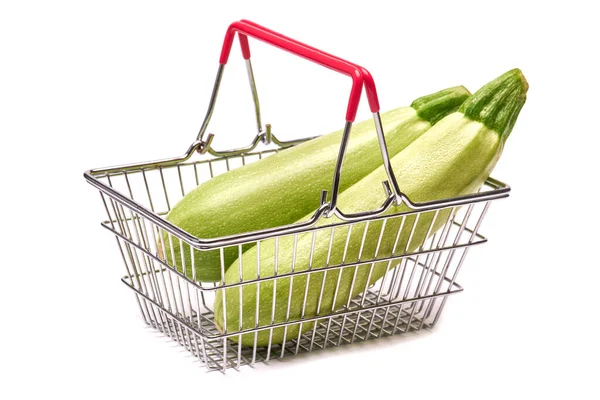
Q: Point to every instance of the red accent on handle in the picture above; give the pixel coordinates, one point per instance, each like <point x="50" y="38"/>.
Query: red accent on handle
<point x="359" y="75"/>
<point x="244" y="46"/>
<point x="371" y="90"/>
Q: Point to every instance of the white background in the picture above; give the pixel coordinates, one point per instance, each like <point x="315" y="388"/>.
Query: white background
<point x="92" y="84"/>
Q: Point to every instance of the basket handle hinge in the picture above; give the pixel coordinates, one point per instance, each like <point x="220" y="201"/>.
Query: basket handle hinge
<point x="204" y="145"/>
<point x="267" y="136"/>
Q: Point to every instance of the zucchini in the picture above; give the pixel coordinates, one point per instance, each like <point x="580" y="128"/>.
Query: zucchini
<point x="280" y="189"/>
<point x="453" y="158"/>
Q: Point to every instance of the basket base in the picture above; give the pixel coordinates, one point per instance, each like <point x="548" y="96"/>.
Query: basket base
<point x="357" y="326"/>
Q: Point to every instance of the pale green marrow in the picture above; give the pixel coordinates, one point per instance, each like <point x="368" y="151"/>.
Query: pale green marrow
<point x="453" y="158"/>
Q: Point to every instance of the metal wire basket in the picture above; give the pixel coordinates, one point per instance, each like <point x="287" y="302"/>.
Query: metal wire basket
<point x="410" y="296"/>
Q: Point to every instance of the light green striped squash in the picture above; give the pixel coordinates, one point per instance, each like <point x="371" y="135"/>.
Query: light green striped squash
<point x="453" y="158"/>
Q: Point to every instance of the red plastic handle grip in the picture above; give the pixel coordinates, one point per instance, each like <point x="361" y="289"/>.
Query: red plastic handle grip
<point x="360" y="76"/>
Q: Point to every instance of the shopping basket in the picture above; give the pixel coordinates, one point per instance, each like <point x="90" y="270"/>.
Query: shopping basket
<point x="410" y="296"/>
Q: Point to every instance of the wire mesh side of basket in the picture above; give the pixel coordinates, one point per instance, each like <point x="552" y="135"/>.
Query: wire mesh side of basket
<point x="410" y="296"/>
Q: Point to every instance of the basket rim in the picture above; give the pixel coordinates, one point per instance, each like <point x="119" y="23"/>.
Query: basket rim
<point x="498" y="190"/>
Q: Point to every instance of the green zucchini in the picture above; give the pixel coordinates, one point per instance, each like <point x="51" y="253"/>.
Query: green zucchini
<point x="453" y="158"/>
<point x="282" y="188"/>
